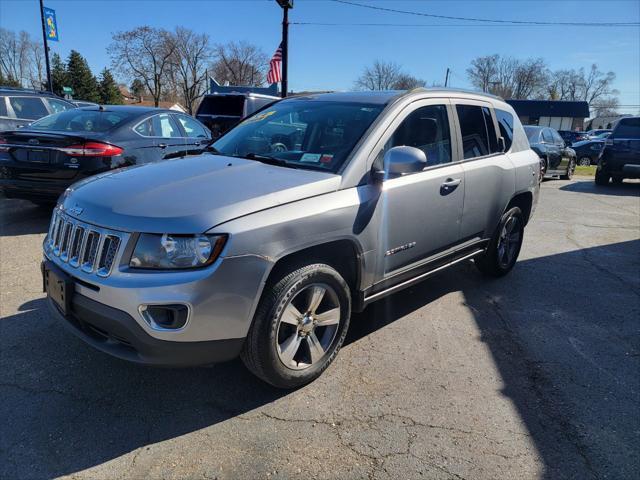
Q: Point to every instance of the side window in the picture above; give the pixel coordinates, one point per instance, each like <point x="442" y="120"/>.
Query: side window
<point x="491" y="130"/>
<point x="3" y="107"/>
<point x="426" y="128"/>
<point x="145" y="128"/>
<point x="505" y="123"/>
<point x="30" y="108"/>
<point x="57" y="106"/>
<point x="546" y="136"/>
<point x="192" y="127"/>
<point x="163" y="126"/>
<point x="557" y="139"/>
<point x="475" y="141"/>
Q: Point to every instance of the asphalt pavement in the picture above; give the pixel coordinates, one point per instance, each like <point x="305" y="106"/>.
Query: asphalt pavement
<point x="532" y="376"/>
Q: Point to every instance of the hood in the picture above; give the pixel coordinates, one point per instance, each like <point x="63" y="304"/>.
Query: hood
<point x="191" y="194"/>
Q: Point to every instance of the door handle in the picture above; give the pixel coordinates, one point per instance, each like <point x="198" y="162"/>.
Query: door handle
<point x="162" y="145"/>
<point x="449" y="185"/>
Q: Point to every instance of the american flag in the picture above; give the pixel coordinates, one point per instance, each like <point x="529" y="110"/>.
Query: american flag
<point x="275" y="74"/>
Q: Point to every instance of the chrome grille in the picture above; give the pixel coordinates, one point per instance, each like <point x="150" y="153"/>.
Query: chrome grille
<point x="92" y="249"/>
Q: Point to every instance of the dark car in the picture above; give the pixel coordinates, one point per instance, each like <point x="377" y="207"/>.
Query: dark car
<point x="20" y="106"/>
<point x="556" y="158"/>
<point x="40" y="161"/>
<point x="571" y="137"/>
<point x="620" y="157"/>
<point x="588" y="151"/>
<point x="598" y="132"/>
<point x="221" y="112"/>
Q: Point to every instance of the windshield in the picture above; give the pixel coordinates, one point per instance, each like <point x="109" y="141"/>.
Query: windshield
<point x="532" y="133"/>
<point x="78" y="120"/>
<point x="302" y="133"/>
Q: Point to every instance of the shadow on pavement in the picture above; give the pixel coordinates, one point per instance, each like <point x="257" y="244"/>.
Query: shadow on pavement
<point x="569" y="360"/>
<point x="20" y="217"/>
<point x="625" y="189"/>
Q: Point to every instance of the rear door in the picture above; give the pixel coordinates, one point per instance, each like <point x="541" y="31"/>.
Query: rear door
<point x="488" y="172"/>
<point x="27" y="109"/>
<point x="563" y="151"/>
<point x="163" y="138"/>
<point x="195" y="135"/>
<point x="553" y="150"/>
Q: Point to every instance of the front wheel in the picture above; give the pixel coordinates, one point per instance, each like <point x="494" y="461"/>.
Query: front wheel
<point x="584" y="161"/>
<point x="504" y="247"/>
<point x="571" y="168"/>
<point x="299" y="326"/>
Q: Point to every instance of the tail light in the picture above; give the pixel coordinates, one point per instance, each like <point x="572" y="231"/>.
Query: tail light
<point x="3" y="145"/>
<point x="92" y="149"/>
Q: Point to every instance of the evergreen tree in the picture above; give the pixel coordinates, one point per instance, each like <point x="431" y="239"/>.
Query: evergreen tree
<point x="58" y="74"/>
<point x="81" y="80"/>
<point x="109" y="91"/>
<point x="137" y="88"/>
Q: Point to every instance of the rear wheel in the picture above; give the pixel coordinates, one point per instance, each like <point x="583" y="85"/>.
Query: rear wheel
<point x="571" y="168"/>
<point x="584" y="161"/>
<point x="617" y="180"/>
<point x="504" y="247"/>
<point x="602" y="178"/>
<point x="299" y="326"/>
<point x="543" y="168"/>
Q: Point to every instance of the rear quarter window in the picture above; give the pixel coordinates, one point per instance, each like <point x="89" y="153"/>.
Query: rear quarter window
<point x="505" y="123"/>
<point x="30" y="108"/>
<point x="628" y="128"/>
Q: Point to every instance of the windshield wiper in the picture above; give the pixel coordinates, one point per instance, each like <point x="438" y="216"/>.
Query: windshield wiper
<point x="268" y="160"/>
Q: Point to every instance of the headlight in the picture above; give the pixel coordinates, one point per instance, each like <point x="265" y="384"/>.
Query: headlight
<point x="171" y="251"/>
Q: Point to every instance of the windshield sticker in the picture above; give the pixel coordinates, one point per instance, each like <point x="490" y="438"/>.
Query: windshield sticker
<point x="326" y="158"/>
<point x="259" y="117"/>
<point x="310" y="157"/>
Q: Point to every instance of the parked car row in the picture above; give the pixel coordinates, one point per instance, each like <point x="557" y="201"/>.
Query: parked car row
<point x="557" y="159"/>
<point x="40" y="161"/>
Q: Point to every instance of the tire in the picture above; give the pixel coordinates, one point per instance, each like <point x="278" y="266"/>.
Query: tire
<point x="602" y="178"/>
<point x="500" y="257"/>
<point x="584" y="161"/>
<point x="543" y="167"/>
<point x="570" y="169"/>
<point x="286" y="333"/>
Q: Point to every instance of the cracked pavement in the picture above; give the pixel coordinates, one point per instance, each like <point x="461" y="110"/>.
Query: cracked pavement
<point x="533" y="376"/>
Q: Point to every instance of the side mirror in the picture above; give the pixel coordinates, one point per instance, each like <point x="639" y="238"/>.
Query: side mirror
<point x="401" y="161"/>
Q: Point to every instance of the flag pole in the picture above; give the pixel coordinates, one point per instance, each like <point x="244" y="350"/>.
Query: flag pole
<point x="46" y="47"/>
<point x="285" y="48"/>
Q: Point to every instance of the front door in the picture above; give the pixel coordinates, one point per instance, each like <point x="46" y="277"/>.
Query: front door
<point x="421" y="212"/>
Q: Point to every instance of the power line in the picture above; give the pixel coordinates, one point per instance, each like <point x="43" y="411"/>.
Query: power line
<point x="487" y="20"/>
<point x="466" y="25"/>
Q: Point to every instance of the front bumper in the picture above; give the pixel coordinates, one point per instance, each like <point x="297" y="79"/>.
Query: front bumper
<point x="115" y="332"/>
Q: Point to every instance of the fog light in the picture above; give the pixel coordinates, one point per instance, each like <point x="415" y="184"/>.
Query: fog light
<point x="165" y="317"/>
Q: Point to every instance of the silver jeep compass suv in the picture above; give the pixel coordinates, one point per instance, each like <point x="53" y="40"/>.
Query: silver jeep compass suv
<point x="308" y="210"/>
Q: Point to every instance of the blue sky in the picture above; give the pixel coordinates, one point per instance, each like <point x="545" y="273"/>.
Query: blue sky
<point x="331" y="57"/>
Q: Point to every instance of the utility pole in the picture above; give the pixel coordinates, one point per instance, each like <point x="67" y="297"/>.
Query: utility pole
<point x="446" y="78"/>
<point x="46" y="47"/>
<point x="286" y="5"/>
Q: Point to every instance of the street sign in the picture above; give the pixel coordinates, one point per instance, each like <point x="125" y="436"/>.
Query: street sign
<point x="50" y="24"/>
<point x="68" y="90"/>
<point x="285" y="3"/>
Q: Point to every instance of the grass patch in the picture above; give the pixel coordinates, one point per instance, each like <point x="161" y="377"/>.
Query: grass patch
<point x="585" y="171"/>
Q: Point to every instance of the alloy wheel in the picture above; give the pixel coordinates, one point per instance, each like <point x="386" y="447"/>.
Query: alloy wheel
<point x="308" y="326"/>
<point x="584" y="161"/>
<point x="509" y="241"/>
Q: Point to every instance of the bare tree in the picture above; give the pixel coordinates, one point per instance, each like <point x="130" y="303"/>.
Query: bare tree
<point x="189" y="64"/>
<point x="509" y="77"/>
<point x="37" y="75"/>
<point x="379" y="76"/>
<point x="144" y="53"/>
<point x="605" y="107"/>
<point x="593" y="87"/>
<point x="240" y="63"/>
<point x="14" y="55"/>
<point x="482" y="72"/>
<point x="596" y="84"/>
<point x="406" y="81"/>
